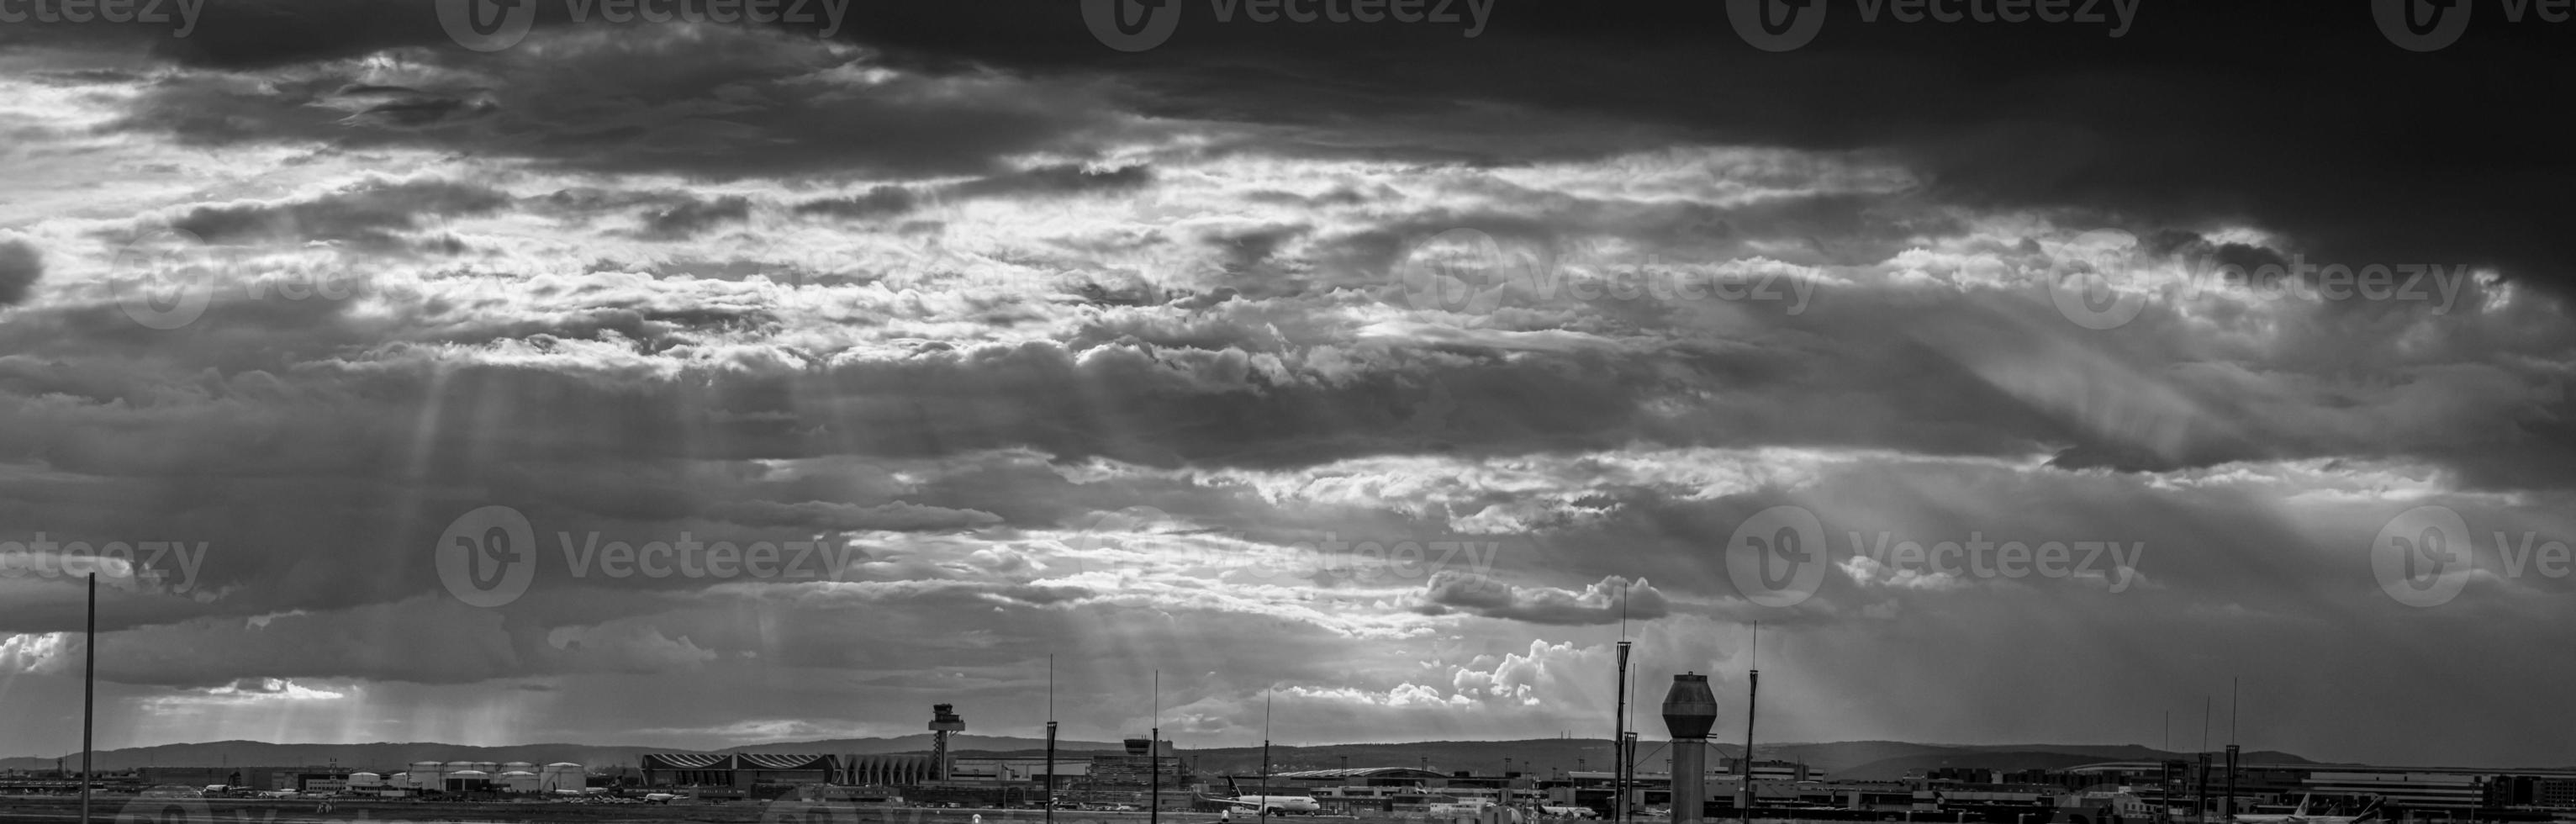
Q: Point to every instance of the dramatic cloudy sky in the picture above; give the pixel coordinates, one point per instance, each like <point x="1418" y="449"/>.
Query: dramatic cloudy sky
<point x="1059" y="349"/>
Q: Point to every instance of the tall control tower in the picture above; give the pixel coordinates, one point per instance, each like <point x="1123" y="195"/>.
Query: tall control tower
<point x="943" y="720"/>
<point x="1689" y="710"/>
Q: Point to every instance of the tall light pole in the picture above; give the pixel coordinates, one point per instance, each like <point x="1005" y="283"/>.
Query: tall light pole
<point x="1619" y="745"/>
<point x="1154" y="753"/>
<point x="1050" y="756"/>
<point x="1752" y="694"/>
<point x="89" y="682"/>
<point x="2231" y="751"/>
<point x="1265" y="757"/>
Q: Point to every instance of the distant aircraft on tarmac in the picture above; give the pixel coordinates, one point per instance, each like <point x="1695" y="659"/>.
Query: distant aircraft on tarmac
<point x="2302" y="816"/>
<point x="1271" y="804"/>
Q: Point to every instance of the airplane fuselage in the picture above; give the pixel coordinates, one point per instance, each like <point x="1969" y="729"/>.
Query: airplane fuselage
<point x="1274" y="803"/>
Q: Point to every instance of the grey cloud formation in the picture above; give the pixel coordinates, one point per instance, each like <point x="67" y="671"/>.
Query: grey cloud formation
<point x="937" y="299"/>
<point x="21" y="265"/>
<point x="1608" y="601"/>
<point x="365" y="212"/>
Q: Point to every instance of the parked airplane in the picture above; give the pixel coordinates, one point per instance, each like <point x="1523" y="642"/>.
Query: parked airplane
<point x="1455" y="807"/>
<point x="663" y="798"/>
<point x="1267" y="804"/>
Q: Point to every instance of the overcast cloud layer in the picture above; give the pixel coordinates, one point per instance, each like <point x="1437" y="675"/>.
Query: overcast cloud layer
<point x="1016" y="345"/>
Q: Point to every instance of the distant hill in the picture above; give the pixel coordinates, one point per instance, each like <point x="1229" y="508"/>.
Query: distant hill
<point x="2028" y="756"/>
<point x="1840" y="759"/>
<point x="394" y="756"/>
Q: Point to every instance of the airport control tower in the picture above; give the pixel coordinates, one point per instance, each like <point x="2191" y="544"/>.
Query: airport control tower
<point x="1689" y="710"/>
<point x="943" y="720"/>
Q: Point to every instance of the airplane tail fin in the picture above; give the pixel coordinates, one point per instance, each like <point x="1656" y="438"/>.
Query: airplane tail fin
<point x="1230" y="787"/>
<point x="2304" y="798"/>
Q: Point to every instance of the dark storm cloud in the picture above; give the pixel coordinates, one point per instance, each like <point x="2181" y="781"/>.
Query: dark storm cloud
<point x="1215" y="335"/>
<point x="2304" y="119"/>
<point x="842" y="516"/>
<point x="881" y="201"/>
<point x="707" y="103"/>
<point x="2195" y="113"/>
<point x="20" y="267"/>
<point x="366" y="211"/>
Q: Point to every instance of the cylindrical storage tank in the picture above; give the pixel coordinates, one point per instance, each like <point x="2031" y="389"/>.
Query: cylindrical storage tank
<point x="400" y="779"/>
<point x="519" y="781"/>
<point x="518" y="766"/>
<point x="564" y="775"/>
<point x="487" y="768"/>
<point x="427" y="774"/>
<point x="468" y="781"/>
<point x="366" y="779"/>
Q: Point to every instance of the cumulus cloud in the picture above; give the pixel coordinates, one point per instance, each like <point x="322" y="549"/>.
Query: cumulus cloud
<point x="923" y="301"/>
<point x="1607" y="601"/>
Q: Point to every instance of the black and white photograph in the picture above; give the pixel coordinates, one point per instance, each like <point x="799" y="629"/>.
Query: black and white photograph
<point x="1283" y="411"/>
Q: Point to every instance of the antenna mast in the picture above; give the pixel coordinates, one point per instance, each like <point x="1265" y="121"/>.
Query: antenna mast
<point x="1752" y="693"/>
<point x="1154" y="751"/>
<point x="1050" y="752"/>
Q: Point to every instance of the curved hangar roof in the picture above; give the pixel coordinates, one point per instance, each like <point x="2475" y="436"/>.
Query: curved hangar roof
<point x="1360" y="772"/>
